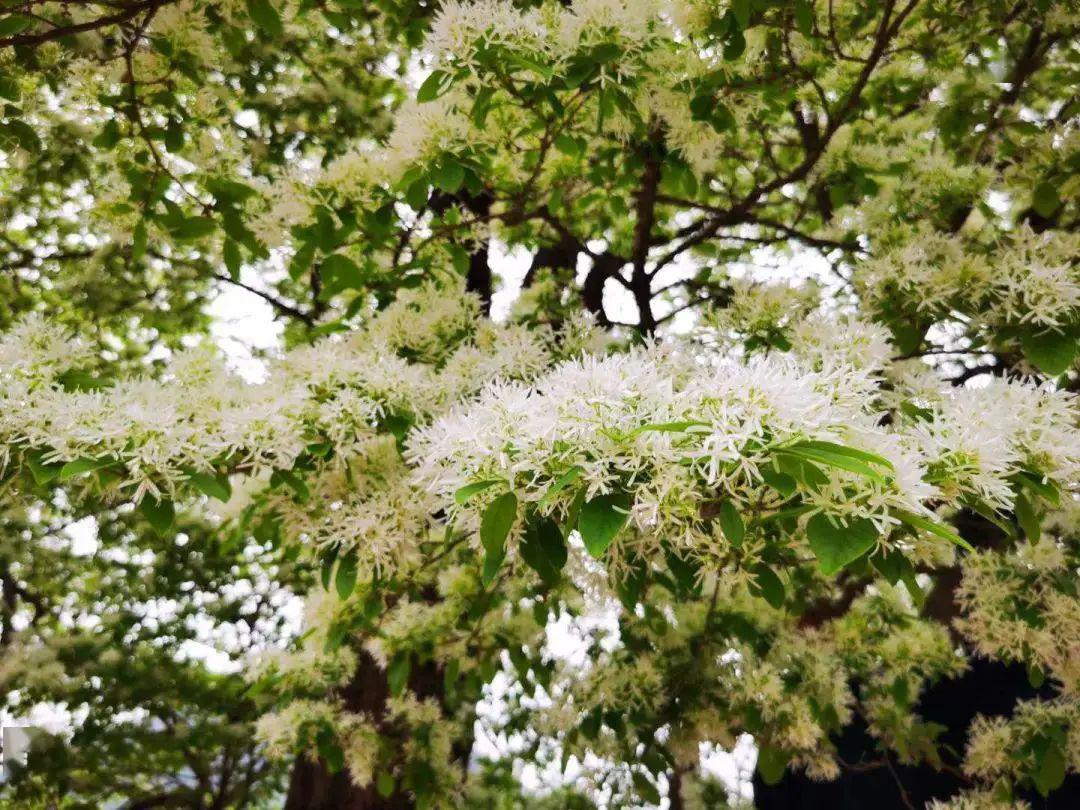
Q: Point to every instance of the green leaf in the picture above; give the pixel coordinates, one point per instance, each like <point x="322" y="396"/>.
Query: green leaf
<point x="768" y="585"/>
<point x="1036" y="677"/>
<point x="1050" y="770"/>
<point x="891" y="564"/>
<point x="907" y="335"/>
<point x="601" y="519"/>
<point x="630" y="586"/>
<point x="174" y="136"/>
<point x="448" y="175"/>
<point x="333" y="756"/>
<point x="741" y="9"/>
<point x="722" y="118"/>
<point x="188" y="229"/>
<point x="264" y="15"/>
<point x="1044" y="488"/>
<point x="482" y="106"/>
<point x="138" y="241"/>
<point x="573" y="512"/>
<point x="216" y="485"/>
<point x="495" y="525"/>
<point x="645" y="789"/>
<point x="829" y="458"/>
<point x="668" y="427"/>
<point x="159" y="514"/>
<point x="43" y="473"/>
<point x="21" y="134"/>
<point x="781" y="482"/>
<point x="345" y="581"/>
<point x="231" y="254"/>
<point x="14" y="24"/>
<point x="932" y="527"/>
<point x="497" y="521"/>
<point x="417" y="194"/>
<point x="567" y="145"/>
<point x="1045" y="199"/>
<point x="731" y="523"/>
<point x="452" y="672"/>
<point x="684" y="570"/>
<point x="397" y="674"/>
<point x="301" y="260"/>
<point x="463" y="495"/>
<point x="844" y="450"/>
<point x="339" y="273"/>
<point x="735" y="47"/>
<point x="398" y="425"/>
<point x="292" y="481"/>
<point x="911" y="582"/>
<point x="327" y="572"/>
<point x="437" y="83"/>
<point x="527" y="63"/>
<point x="109" y="135"/>
<point x="564" y="480"/>
<point x="9" y="88"/>
<point x="771" y="764"/>
<point x="804" y="17"/>
<point x="1028" y="518"/>
<point x="385" y="784"/>
<point x="836" y="546"/>
<point x="804" y="472"/>
<point x="543" y="548"/>
<point x="991" y="515"/>
<point x="490" y="568"/>
<point x="1050" y="351"/>
<point x="701" y="106"/>
<point x="84" y="465"/>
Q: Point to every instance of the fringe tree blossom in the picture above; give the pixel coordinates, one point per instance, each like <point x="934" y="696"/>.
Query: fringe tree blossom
<point x="799" y="512"/>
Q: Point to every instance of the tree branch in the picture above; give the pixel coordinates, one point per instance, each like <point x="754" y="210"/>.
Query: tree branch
<point x="276" y="303"/>
<point x="65" y="31"/>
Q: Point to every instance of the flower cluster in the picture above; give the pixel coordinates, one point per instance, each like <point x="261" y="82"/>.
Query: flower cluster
<point x="1020" y="605"/>
<point x="426" y="350"/>
<point x="682" y="434"/>
<point x="1025" y="278"/>
<point x="1037" y="746"/>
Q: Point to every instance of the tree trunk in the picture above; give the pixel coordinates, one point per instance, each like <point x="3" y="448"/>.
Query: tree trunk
<point x="313" y="787"/>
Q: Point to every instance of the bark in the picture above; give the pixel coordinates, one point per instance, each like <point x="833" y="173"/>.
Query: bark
<point x="560" y="256"/>
<point x="605" y="266"/>
<point x="478" y="278"/>
<point x="645" y="218"/>
<point x="313" y="787"/>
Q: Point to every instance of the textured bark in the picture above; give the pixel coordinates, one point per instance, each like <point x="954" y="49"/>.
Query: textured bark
<point x="313" y="787"/>
<point x="560" y="256"/>
<point x="478" y="278"/>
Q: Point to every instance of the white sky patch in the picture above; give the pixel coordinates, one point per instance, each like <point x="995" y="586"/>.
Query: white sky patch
<point x="510" y="267"/>
<point x="244" y="325"/>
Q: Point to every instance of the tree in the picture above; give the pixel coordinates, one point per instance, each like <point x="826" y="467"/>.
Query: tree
<point x="837" y="514"/>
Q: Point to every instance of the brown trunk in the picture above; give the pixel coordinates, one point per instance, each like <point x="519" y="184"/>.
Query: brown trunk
<point x="313" y="787"/>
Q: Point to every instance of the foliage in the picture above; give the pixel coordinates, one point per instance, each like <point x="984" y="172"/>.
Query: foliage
<point x="768" y="507"/>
